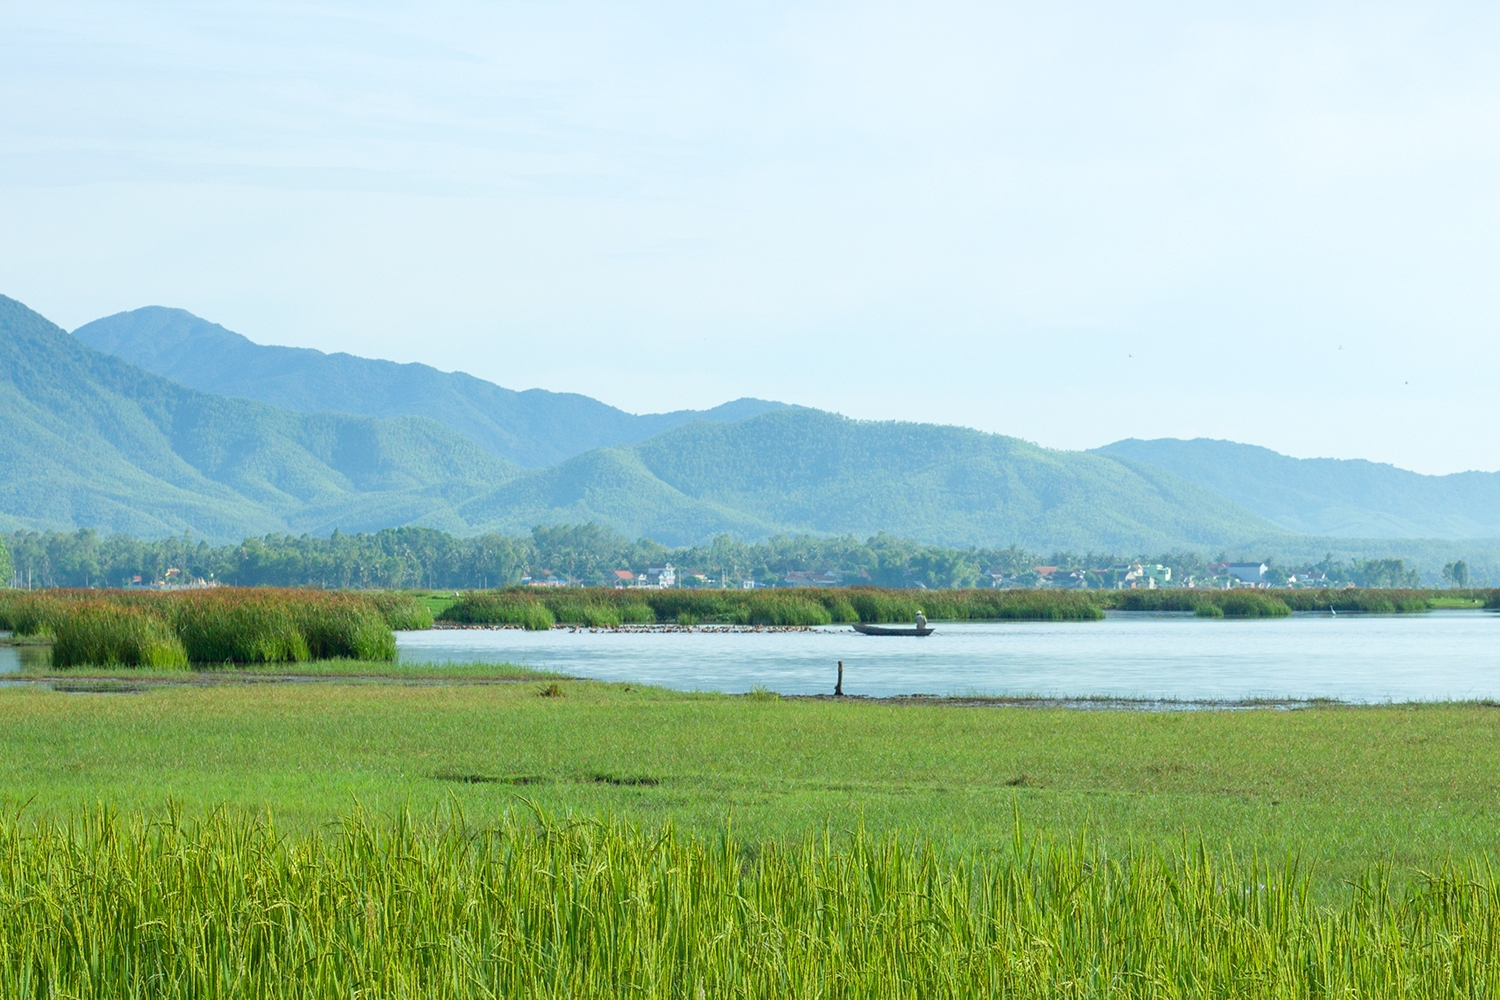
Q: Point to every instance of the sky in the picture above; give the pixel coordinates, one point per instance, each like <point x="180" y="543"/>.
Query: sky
<point x="1275" y="223"/>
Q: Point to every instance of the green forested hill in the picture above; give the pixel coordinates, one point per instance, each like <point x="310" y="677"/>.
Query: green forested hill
<point x="1326" y="496"/>
<point x="800" y="470"/>
<point x="532" y="428"/>
<point x="87" y="440"/>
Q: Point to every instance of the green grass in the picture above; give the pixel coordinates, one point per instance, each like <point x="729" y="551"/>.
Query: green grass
<point x="1455" y="603"/>
<point x="403" y="610"/>
<point x="576" y="838"/>
<point x="540" y="607"/>
<point x="533" y="907"/>
<point x="40" y="669"/>
<point x="1342" y="787"/>
<point x="102" y="632"/>
<point x="1277" y="602"/>
<point x="227" y="625"/>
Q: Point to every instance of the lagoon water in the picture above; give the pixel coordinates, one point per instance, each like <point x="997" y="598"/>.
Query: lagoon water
<point x="13" y="658"/>
<point x="1359" y="658"/>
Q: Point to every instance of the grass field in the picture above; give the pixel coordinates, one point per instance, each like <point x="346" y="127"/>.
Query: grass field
<point x="344" y="829"/>
<point x="1343" y="788"/>
<point x="338" y="828"/>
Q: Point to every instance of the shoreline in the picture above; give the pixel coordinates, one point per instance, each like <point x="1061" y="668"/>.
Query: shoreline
<point x="124" y="683"/>
<point x="663" y="627"/>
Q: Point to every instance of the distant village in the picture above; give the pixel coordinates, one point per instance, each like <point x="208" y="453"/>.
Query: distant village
<point x="1144" y="576"/>
<point x="590" y="555"/>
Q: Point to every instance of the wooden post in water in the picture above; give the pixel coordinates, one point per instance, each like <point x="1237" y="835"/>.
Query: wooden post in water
<point x="838" y="689"/>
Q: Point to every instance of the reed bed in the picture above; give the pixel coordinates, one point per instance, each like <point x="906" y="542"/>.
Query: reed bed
<point x="1278" y="602"/>
<point x="109" y="634"/>
<point x="227" y="907"/>
<point x="227" y="625"/>
<point x="541" y="608"/>
<point x="403" y="612"/>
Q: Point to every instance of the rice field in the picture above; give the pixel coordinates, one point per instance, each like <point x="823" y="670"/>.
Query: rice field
<point x="384" y="838"/>
<point x="229" y="906"/>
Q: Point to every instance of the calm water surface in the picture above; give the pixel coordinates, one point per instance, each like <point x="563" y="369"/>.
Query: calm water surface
<point x="12" y="658"/>
<point x="1438" y="655"/>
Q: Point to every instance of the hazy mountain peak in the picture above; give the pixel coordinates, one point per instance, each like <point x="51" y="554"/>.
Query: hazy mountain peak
<point x="533" y="428"/>
<point x="1337" y="497"/>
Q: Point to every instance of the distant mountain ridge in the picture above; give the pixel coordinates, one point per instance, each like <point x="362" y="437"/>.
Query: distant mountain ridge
<point x="1339" y="498"/>
<point x="89" y="440"/>
<point x="801" y="470"/>
<point x="533" y="428"/>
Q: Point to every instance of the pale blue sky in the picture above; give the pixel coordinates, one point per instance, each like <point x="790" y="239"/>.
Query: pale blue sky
<point x="1275" y="223"/>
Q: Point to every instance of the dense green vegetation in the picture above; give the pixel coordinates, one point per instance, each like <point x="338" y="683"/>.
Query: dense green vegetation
<point x="541" y="607"/>
<point x="1274" y="603"/>
<point x="403" y="612"/>
<point x="104" y="908"/>
<point x="87" y="440"/>
<point x="167" y="629"/>
<point x="806" y="471"/>
<point x="532" y="428"/>
<point x="1343" y="788"/>
<point x="426" y="558"/>
<point x="586" y="839"/>
<point x="1328" y="496"/>
<point x="1317" y="497"/>
<point x="108" y="632"/>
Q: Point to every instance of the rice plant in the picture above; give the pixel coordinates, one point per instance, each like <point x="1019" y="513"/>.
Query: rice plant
<point x="102" y="906"/>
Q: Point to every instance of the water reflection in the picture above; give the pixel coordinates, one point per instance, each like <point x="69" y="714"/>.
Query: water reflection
<point x="13" y="659"/>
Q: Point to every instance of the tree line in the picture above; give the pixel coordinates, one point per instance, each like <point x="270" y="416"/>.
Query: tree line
<point x="588" y="553"/>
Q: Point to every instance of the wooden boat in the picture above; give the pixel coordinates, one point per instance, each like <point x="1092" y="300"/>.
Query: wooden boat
<point x="864" y="629"/>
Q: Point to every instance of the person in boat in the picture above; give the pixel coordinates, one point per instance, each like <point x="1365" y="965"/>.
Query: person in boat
<point x="921" y="619"/>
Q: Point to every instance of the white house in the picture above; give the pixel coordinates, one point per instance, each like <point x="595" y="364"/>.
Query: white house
<point x="661" y="576"/>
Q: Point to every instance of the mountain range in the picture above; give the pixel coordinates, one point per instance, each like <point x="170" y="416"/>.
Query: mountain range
<point x="532" y="429"/>
<point x="1338" y="498"/>
<point x="155" y="421"/>
<point x="94" y="440"/>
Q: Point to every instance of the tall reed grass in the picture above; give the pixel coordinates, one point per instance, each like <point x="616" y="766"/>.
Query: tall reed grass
<point x="402" y="611"/>
<point x="102" y="906"/>
<point x="801" y="606"/>
<point x="109" y="634"/>
<point x="228" y="625"/>
<point x="492" y="607"/>
<point x="1270" y="603"/>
